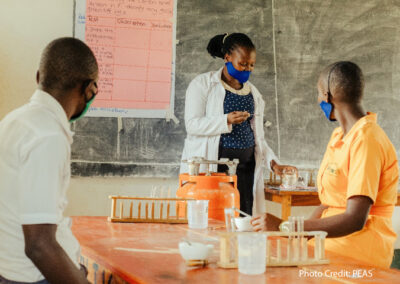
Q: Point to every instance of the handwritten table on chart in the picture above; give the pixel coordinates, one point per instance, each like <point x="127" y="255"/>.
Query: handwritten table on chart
<point x="132" y="41"/>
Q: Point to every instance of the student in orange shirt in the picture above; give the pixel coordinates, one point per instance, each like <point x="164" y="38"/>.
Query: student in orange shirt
<point x="358" y="177"/>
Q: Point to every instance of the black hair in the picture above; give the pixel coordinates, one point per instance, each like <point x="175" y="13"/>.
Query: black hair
<point x="347" y="79"/>
<point x="65" y="63"/>
<point x="223" y="44"/>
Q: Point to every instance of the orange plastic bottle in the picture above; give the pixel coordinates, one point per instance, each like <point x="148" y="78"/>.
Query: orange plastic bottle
<point x="219" y="188"/>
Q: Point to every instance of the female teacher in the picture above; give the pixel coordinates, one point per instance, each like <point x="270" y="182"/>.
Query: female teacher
<point x="224" y="119"/>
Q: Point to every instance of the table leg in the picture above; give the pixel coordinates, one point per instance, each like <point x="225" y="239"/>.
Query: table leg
<point x="99" y="274"/>
<point x="286" y="206"/>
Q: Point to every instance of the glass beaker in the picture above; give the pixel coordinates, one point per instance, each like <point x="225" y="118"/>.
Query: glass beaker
<point x="252" y="250"/>
<point x="197" y="214"/>
<point x="289" y="178"/>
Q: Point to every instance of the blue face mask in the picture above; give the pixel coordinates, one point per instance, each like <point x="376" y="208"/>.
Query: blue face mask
<point x="241" y="76"/>
<point x="327" y="109"/>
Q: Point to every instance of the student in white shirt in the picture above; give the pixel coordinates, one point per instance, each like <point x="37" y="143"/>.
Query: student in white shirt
<point x="224" y="119"/>
<point x="36" y="243"/>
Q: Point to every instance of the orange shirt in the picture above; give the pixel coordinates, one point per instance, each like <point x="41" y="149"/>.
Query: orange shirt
<point x="364" y="162"/>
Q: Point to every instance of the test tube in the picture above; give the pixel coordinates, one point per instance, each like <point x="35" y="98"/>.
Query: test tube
<point x="296" y="240"/>
<point x="121" y="214"/>
<point x="278" y="251"/>
<point x="230" y="227"/>
<point x="317" y="247"/>
<point x="322" y="251"/>
<point x="292" y="224"/>
<point x="292" y="221"/>
<point x="161" y="210"/>
<point x="303" y="240"/>
<point x="130" y="210"/>
<point x="225" y="249"/>
<point x="230" y="220"/>
<point x="300" y="229"/>
<point x="289" y="249"/>
<point x="304" y="253"/>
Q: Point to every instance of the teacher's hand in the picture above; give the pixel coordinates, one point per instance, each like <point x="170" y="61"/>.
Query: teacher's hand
<point x="278" y="169"/>
<point x="265" y="222"/>
<point x="237" y="117"/>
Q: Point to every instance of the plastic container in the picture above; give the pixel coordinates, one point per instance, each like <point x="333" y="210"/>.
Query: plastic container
<point x="289" y="179"/>
<point x="252" y="253"/>
<point x="195" y="250"/>
<point x="243" y="224"/>
<point x="198" y="214"/>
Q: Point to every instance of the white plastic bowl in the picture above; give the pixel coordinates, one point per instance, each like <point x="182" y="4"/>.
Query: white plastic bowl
<point x="195" y="251"/>
<point x="243" y="224"/>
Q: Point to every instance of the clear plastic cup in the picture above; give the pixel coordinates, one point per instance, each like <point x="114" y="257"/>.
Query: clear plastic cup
<point x="304" y="179"/>
<point x="289" y="178"/>
<point x="252" y="253"/>
<point x="198" y="214"/>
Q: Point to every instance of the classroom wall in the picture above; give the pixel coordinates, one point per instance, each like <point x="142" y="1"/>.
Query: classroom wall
<point x="25" y="28"/>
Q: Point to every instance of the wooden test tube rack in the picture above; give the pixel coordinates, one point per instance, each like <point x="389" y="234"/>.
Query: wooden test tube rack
<point x="147" y="206"/>
<point x="297" y="249"/>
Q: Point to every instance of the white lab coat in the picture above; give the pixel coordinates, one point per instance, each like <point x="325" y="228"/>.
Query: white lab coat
<point x="205" y="122"/>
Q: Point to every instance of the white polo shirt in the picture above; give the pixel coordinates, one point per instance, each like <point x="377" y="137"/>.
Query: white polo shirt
<point x="35" y="149"/>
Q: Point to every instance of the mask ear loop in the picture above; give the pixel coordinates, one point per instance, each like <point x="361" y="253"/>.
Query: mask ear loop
<point x="85" y="84"/>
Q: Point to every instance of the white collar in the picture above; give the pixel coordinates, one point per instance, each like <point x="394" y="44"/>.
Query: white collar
<point x="244" y="91"/>
<point x="43" y="98"/>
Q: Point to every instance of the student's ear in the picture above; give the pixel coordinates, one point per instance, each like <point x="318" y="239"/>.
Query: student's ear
<point x="227" y="58"/>
<point x="85" y="89"/>
<point x="326" y="98"/>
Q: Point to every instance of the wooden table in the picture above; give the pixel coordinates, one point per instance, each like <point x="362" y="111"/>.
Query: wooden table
<point x="147" y="253"/>
<point x="287" y="199"/>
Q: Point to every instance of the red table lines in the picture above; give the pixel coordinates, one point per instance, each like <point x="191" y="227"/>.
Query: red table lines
<point x="130" y="18"/>
<point x="143" y="66"/>
<point x="131" y="12"/>
<point x="133" y="18"/>
<point x="149" y="81"/>
<point x="129" y="47"/>
<point x="133" y="100"/>
<point x="132" y="28"/>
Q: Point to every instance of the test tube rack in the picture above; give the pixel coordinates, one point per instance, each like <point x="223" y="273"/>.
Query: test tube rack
<point x="195" y="162"/>
<point x="275" y="180"/>
<point x="149" y="210"/>
<point x="296" y="249"/>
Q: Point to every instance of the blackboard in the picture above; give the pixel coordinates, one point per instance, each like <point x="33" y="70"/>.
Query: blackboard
<point x="295" y="40"/>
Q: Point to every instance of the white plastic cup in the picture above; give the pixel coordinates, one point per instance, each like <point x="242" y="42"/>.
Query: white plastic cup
<point x="243" y="224"/>
<point x="197" y="214"/>
<point x="252" y="253"/>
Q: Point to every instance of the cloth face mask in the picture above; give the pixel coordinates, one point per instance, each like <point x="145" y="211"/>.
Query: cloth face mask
<point x="241" y="76"/>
